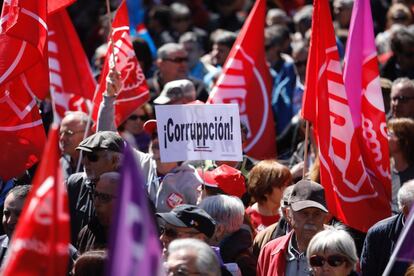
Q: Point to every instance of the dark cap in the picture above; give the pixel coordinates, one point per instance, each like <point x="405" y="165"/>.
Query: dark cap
<point x="102" y="140"/>
<point x="190" y="216"/>
<point x="176" y="90"/>
<point x="306" y="194"/>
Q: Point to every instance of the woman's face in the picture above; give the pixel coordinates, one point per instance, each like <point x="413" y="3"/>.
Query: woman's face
<point x="329" y="264"/>
<point x="276" y="195"/>
<point x="393" y="142"/>
<point x="134" y="124"/>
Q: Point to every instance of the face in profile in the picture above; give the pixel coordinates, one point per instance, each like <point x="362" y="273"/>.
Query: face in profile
<point x="12" y="208"/>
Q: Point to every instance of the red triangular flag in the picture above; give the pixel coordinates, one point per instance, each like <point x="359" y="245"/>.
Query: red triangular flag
<point x="134" y="91"/>
<point x="40" y="243"/>
<point x="71" y="81"/>
<point x="56" y="5"/>
<point x="246" y="80"/>
<point x="352" y="193"/>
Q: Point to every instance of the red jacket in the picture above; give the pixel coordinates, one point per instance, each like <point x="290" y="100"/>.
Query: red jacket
<point x="272" y="258"/>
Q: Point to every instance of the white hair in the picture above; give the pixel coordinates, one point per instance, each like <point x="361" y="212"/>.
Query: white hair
<point x="227" y="211"/>
<point x="406" y="195"/>
<point x="334" y="239"/>
<point x="206" y="260"/>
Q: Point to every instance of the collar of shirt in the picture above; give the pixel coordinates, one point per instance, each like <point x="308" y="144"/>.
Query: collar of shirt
<point x="292" y="252"/>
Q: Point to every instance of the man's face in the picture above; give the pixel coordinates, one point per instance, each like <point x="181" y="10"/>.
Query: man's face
<point x="12" y="208"/>
<point x="170" y="232"/>
<point x="71" y="134"/>
<point x="97" y="163"/>
<point x="219" y="54"/>
<point x="175" y="66"/>
<point x="402" y="101"/>
<point x="182" y="262"/>
<point x="306" y="222"/>
<point x="104" y="199"/>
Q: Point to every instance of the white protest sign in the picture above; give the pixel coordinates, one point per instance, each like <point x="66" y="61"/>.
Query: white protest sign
<point x="199" y="132"/>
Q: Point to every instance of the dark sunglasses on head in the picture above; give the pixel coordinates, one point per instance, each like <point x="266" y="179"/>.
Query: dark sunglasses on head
<point x="105" y="198"/>
<point x="177" y="59"/>
<point x="134" y="117"/>
<point x="169" y="232"/>
<point x="333" y="260"/>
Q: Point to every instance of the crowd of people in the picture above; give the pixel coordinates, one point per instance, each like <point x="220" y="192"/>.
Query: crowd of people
<point x="253" y="217"/>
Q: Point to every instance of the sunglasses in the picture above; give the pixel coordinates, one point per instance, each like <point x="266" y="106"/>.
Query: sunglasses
<point x="91" y="156"/>
<point x="134" y="117"/>
<point x="333" y="260"/>
<point x="177" y="59"/>
<point x="102" y="197"/>
<point x="402" y="98"/>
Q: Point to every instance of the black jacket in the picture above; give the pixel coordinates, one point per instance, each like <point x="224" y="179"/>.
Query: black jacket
<point x="378" y="246"/>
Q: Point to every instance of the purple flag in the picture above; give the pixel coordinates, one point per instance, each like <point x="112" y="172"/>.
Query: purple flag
<point x="134" y="247"/>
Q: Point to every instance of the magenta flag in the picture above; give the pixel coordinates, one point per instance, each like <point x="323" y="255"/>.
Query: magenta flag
<point x="134" y="247"/>
<point x="363" y="89"/>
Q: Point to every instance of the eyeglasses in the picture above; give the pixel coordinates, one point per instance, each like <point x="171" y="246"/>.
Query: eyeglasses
<point x="69" y="132"/>
<point x="402" y="98"/>
<point x="333" y="260"/>
<point x="177" y="59"/>
<point x="92" y="156"/>
<point x="134" y="117"/>
<point x="102" y="197"/>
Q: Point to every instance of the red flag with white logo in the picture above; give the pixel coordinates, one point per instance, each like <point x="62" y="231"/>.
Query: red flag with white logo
<point x="40" y="243"/>
<point x="72" y="84"/>
<point x="134" y="90"/>
<point x="246" y="80"/>
<point x="354" y="195"/>
<point x="23" y="77"/>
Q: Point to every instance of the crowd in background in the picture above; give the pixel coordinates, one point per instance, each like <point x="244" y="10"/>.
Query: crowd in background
<point x="254" y="217"/>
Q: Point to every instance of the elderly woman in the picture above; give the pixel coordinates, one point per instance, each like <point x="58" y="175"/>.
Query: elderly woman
<point x="332" y="252"/>
<point x="267" y="181"/>
<point x="401" y="145"/>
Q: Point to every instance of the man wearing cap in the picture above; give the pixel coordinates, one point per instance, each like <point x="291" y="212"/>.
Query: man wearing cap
<point x="185" y="221"/>
<point x="101" y="152"/>
<point x="306" y="214"/>
<point x="177" y="92"/>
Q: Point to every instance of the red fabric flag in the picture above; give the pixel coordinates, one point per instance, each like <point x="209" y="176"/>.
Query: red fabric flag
<point x="246" y="80"/>
<point x="56" y="5"/>
<point x="354" y="195"/>
<point x="72" y="84"/>
<point x="134" y="90"/>
<point x="40" y="243"/>
<point x="23" y="75"/>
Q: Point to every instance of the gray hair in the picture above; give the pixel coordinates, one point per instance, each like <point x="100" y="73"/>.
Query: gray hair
<point x="207" y="262"/>
<point x="227" y="211"/>
<point x="406" y="82"/>
<point x="406" y="195"/>
<point x="165" y="50"/>
<point x="20" y="191"/>
<point x="334" y="239"/>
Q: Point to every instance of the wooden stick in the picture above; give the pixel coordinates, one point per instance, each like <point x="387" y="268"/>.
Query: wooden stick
<point x="305" y="154"/>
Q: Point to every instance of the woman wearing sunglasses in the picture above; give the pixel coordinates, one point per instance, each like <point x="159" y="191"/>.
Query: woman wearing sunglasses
<point x="332" y="252"/>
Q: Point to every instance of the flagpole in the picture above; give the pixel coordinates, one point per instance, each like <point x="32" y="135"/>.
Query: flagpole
<point x="108" y="13"/>
<point x="305" y="154"/>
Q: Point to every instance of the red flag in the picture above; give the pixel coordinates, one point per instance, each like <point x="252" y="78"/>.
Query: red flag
<point x="354" y="195"/>
<point x="23" y="75"/>
<point x="71" y="81"/>
<point x="56" y="5"/>
<point x="40" y="243"/>
<point x="246" y="80"/>
<point x="134" y="90"/>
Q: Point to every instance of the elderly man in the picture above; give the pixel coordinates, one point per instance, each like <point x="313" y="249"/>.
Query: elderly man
<point x="172" y="65"/>
<point x="185" y="221"/>
<point x="382" y="237"/>
<point x="402" y="98"/>
<point x="95" y="234"/>
<point x="192" y="257"/>
<point x="306" y="214"/>
<point x="72" y="131"/>
<point x="102" y="152"/>
<point x="177" y="92"/>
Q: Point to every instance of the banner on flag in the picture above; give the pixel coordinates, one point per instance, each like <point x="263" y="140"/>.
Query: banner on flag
<point x="350" y="187"/>
<point x="134" y="90"/>
<point x="199" y="132"/>
<point x="134" y="247"/>
<point x="40" y="242"/>
<point x="246" y="81"/>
